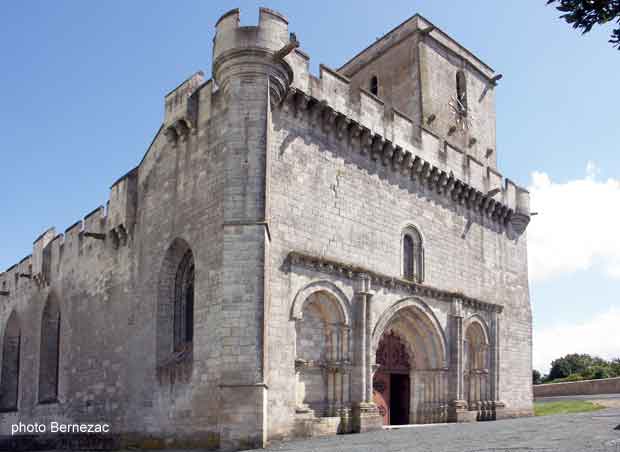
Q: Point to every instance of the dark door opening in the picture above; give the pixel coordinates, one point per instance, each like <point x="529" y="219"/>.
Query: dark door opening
<point x="399" y="399"/>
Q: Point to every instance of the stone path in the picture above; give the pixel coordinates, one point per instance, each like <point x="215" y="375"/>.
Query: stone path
<point x="565" y="433"/>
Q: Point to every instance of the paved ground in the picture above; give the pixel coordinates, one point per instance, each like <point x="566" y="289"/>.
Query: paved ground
<point x="565" y="433"/>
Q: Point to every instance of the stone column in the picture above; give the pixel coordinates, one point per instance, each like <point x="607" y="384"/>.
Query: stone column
<point x="370" y="359"/>
<point x="365" y="412"/>
<point x="457" y="410"/>
<point x="494" y="365"/>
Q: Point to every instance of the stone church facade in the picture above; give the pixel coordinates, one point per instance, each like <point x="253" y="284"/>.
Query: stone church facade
<point x="293" y="256"/>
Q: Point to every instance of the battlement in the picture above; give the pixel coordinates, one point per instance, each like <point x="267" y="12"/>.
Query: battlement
<point x="271" y="33"/>
<point x="111" y="226"/>
<point x="331" y="102"/>
<point x="253" y="50"/>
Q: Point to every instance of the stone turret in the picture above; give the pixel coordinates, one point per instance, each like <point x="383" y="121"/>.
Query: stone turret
<point x="253" y="52"/>
<point x="251" y="76"/>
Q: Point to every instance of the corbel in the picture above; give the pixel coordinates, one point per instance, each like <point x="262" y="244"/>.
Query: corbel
<point x="388" y="152"/>
<point x="450" y="183"/>
<point x="496" y="211"/>
<point x="442" y="182"/>
<point x="399" y="157"/>
<point x="433" y="177"/>
<point x="329" y="117"/>
<point x="426" y="171"/>
<point x="301" y="103"/>
<point x="416" y="167"/>
<point x="407" y="163"/>
<point x="316" y="111"/>
<point x="490" y="207"/>
<point x="377" y="146"/>
<point x="342" y="124"/>
<point x="365" y="141"/>
<point x="171" y="134"/>
<point x="182" y="128"/>
<point x="456" y="192"/>
<point x="355" y="131"/>
<point x="289" y="99"/>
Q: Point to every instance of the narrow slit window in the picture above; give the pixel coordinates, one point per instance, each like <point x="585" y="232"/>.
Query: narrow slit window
<point x="374" y="85"/>
<point x="461" y="91"/>
<point x="413" y="256"/>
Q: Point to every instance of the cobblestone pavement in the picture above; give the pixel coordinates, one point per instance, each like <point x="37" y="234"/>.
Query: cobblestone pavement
<point x="565" y="433"/>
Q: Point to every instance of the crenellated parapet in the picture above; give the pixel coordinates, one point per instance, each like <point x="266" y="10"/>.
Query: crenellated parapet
<point x="388" y="138"/>
<point x="252" y="51"/>
<point x="112" y="225"/>
<point x="181" y="109"/>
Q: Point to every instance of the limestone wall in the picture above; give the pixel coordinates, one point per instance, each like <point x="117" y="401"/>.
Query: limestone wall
<point x="586" y="387"/>
<point x="104" y="271"/>
<point x="329" y="199"/>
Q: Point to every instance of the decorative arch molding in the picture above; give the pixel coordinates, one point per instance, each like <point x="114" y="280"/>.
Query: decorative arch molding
<point x="422" y="309"/>
<point x="476" y="319"/>
<point x="321" y="286"/>
<point x="174" y="320"/>
<point x="411" y="225"/>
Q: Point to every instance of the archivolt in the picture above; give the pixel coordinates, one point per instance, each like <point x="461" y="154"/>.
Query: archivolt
<point x="415" y="322"/>
<point x="321" y="286"/>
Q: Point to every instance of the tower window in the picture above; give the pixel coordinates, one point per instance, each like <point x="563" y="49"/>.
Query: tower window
<point x="374" y="85"/>
<point x="413" y="255"/>
<point x="461" y="91"/>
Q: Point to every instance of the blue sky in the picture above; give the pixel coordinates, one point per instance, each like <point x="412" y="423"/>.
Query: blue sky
<point x="83" y="86"/>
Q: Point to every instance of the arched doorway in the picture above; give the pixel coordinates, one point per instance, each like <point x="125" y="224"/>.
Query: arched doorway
<point x="410" y="383"/>
<point x="391" y="382"/>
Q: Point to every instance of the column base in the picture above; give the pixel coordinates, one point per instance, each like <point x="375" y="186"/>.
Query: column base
<point x="458" y="412"/>
<point x="366" y="417"/>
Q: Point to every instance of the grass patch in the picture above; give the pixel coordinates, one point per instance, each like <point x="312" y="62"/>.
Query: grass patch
<point x="565" y="407"/>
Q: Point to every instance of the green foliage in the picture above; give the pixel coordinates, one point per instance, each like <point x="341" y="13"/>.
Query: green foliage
<point x="536" y="377"/>
<point x="576" y="367"/>
<point x="564" y="407"/>
<point x="570" y="364"/>
<point x="584" y="14"/>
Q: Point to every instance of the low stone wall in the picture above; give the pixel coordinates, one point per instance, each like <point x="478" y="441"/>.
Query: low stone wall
<point x="585" y="387"/>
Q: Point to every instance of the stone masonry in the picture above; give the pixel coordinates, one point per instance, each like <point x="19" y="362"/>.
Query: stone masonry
<point x="294" y="256"/>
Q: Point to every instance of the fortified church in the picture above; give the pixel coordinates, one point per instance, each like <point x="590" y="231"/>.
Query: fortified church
<point x="293" y="256"/>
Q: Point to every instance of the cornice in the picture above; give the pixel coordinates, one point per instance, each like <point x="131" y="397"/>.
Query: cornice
<point x="354" y="272"/>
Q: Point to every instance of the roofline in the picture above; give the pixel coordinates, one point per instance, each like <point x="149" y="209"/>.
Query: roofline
<point x="419" y="16"/>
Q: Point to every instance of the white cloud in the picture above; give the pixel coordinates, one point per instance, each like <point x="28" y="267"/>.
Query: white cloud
<point x="599" y="336"/>
<point x="578" y="225"/>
